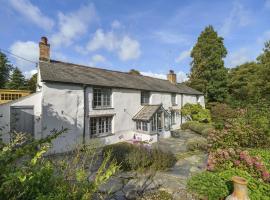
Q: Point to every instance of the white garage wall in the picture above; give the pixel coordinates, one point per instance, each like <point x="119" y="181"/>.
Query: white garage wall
<point x="31" y="100"/>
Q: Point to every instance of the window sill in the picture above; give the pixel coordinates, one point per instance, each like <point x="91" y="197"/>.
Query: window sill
<point x="103" y="108"/>
<point x="174" y="104"/>
<point x="102" y="135"/>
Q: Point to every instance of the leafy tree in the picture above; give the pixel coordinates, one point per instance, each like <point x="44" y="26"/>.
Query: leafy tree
<point x="5" y="68"/>
<point x="17" y="80"/>
<point x="134" y="72"/>
<point x="208" y="73"/>
<point x="32" y="83"/>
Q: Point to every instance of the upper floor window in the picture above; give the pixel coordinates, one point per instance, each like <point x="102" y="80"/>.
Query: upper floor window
<point x="102" y="98"/>
<point x="173" y="99"/>
<point x="145" y="96"/>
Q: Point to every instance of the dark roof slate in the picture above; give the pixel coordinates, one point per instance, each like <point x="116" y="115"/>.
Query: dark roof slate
<point x="57" y="71"/>
<point x="146" y="113"/>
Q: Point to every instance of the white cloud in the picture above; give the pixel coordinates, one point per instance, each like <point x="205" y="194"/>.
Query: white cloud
<point x="29" y="74"/>
<point x="238" y="57"/>
<point x="32" y="13"/>
<point x="126" y="47"/>
<point x="171" y="37"/>
<point x="129" y="49"/>
<point x="97" y="59"/>
<point x="183" y="55"/>
<point x="181" y="76"/>
<point x="116" y="24"/>
<point x="239" y="16"/>
<point x="73" y="25"/>
<point x="28" y="50"/>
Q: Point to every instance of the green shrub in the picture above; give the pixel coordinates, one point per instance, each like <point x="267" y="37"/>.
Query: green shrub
<point x="219" y="185"/>
<point x="200" y="128"/>
<point x="264" y="154"/>
<point x="256" y="189"/>
<point x="27" y="174"/>
<point x="136" y="157"/>
<point x="208" y="185"/>
<point x="195" y="112"/>
<point x="196" y="143"/>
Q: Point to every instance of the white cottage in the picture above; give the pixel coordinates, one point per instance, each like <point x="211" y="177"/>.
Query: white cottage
<point x="96" y="103"/>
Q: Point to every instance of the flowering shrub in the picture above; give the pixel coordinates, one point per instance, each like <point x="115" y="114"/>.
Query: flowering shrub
<point x="229" y="158"/>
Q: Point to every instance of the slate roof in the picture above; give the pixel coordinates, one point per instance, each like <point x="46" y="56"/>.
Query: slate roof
<point x="146" y="112"/>
<point x="57" y="71"/>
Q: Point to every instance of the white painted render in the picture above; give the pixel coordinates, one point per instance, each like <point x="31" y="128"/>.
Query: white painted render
<point x="60" y="105"/>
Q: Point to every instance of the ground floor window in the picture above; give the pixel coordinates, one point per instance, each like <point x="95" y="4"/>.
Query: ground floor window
<point x="141" y="126"/>
<point x="100" y="125"/>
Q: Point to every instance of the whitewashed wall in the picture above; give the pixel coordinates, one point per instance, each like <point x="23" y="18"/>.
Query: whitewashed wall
<point x="31" y="100"/>
<point x="63" y="107"/>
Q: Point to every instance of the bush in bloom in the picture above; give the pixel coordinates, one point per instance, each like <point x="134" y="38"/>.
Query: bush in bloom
<point x="227" y="158"/>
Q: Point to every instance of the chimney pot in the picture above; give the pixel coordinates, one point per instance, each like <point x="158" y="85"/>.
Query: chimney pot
<point x="44" y="50"/>
<point x="172" y="77"/>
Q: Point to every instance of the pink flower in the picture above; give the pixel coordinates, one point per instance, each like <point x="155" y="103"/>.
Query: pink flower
<point x="237" y="162"/>
<point x="265" y="175"/>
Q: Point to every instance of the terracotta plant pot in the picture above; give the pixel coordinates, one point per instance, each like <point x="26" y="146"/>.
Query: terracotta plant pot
<point x="240" y="191"/>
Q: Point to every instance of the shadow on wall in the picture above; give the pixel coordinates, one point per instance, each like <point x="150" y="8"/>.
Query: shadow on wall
<point x="57" y="120"/>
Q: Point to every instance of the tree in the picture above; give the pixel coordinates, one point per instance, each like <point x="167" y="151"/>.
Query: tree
<point x="17" y="80"/>
<point x="208" y="73"/>
<point x="32" y="83"/>
<point x="134" y="72"/>
<point x="5" y="68"/>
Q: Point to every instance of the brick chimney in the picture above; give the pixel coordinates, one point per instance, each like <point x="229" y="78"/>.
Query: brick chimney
<point x="171" y="77"/>
<point x="44" y="50"/>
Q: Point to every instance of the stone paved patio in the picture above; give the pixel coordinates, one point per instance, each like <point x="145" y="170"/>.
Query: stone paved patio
<point x="131" y="185"/>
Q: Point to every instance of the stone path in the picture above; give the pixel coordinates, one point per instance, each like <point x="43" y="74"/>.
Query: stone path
<point x="130" y="185"/>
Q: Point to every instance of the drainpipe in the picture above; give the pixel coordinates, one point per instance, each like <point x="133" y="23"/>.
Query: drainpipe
<point x="182" y="98"/>
<point x="84" y="112"/>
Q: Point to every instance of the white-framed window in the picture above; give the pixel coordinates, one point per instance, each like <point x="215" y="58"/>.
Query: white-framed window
<point x="141" y="126"/>
<point x="100" y="125"/>
<point x="154" y="124"/>
<point x="102" y="97"/>
<point x="173" y="99"/>
<point x="145" y="97"/>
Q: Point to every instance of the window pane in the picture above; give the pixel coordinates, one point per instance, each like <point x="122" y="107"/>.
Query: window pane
<point x="145" y="96"/>
<point x="173" y="99"/>
<point x="102" y="97"/>
<point x="100" y="125"/>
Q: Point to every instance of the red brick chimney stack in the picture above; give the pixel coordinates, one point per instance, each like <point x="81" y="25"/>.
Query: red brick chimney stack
<point x="44" y="50"/>
<point x="172" y="77"/>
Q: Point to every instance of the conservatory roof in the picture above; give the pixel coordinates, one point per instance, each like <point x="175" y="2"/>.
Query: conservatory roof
<point x="147" y="112"/>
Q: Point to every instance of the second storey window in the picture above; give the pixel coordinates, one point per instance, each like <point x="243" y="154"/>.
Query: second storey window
<point x="173" y="99"/>
<point x="145" y="96"/>
<point x="102" y="98"/>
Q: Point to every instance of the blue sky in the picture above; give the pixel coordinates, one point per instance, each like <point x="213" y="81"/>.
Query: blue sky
<point x="150" y="36"/>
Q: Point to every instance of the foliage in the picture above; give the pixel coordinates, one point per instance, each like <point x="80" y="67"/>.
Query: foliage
<point x="221" y="185"/>
<point x="5" y="68"/>
<point x="264" y="154"/>
<point x="27" y="174"/>
<point x="221" y="113"/>
<point x="195" y="112"/>
<point x="208" y="73"/>
<point x="208" y="185"/>
<point x="31" y="83"/>
<point x="134" y="72"/>
<point x="196" y="143"/>
<point x="17" y="80"/>
<point x="230" y="158"/>
<point x="157" y="196"/>
<point x="200" y="128"/>
<point x="249" y="130"/>
<point x="138" y="157"/>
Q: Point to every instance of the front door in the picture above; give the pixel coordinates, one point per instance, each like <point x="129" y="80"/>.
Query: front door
<point x="22" y="119"/>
